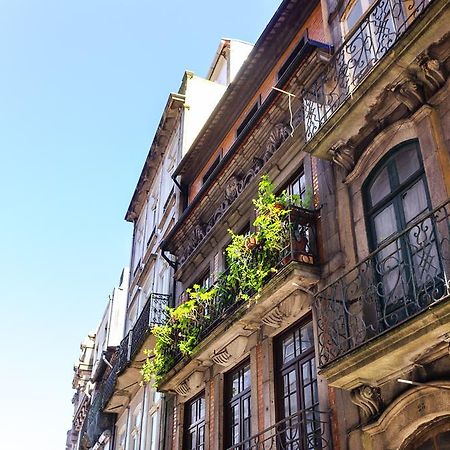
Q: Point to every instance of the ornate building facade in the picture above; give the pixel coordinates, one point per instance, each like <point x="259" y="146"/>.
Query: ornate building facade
<point x="345" y="105"/>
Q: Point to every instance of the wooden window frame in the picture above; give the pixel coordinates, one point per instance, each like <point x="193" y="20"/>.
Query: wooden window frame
<point x="197" y="426"/>
<point x="230" y="401"/>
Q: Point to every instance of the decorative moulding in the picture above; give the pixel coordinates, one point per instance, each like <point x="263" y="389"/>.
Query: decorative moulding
<point x="231" y="352"/>
<point x="368" y="400"/>
<point x="191" y="384"/>
<point x="287" y="309"/>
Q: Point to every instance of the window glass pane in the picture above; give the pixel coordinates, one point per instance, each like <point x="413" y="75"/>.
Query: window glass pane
<point x="414" y="201"/>
<point x="385" y="223"/>
<point x="307" y="337"/>
<point x="247" y="377"/>
<point x="354" y="14"/>
<point x="380" y="187"/>
<point x="288" y="348"/>
<point x="407" y="163"/>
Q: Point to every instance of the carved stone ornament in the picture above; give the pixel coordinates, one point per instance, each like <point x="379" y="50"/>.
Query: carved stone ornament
<point x="342" y="154"/>
<point x="281" y="313"/>
<point x="231" y="352"/>
<point x="182" y="389"/>
<point x="410" y="93"/>
<point x="433" y="72"/>
<point x="234" y="187"/>
<point x="191" y="384"/>
<point x="368" y="399"/>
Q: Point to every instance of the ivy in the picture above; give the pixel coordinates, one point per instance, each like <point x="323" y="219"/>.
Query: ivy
<point x="251" y="258"/>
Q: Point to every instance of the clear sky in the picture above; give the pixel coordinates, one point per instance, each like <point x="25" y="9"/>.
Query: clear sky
<point x="82" y="88"/>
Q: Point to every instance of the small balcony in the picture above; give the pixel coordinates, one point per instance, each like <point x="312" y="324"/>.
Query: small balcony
<point x="385" y="22"/>
<point x="308" y="429"/>
<point x="301" y="248"/>
<point x="394" y="299"/>
<point x="153" y="313"/>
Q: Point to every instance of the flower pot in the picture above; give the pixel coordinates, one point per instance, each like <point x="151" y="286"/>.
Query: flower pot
<point x="252" y="242"/>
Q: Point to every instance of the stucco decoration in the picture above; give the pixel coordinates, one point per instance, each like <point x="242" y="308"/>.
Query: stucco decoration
<point x="409" y="91"/>
<point x="182" y="389"/>
<point x="368" y="399"/>
<point x="284" y="311"/>
<point x="191" y="384"/>
<point x="231" y="353"/>
<point x="433" y="72"/>
<point x="403" y="417"/>
<point x="233" y="189"/>
<point x="342" y="154"/>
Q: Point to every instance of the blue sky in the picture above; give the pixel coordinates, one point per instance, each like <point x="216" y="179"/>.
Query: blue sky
<point x="82" y="87"/>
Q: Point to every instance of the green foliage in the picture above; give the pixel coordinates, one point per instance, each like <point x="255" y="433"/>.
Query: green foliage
<point x="251" y="258"/>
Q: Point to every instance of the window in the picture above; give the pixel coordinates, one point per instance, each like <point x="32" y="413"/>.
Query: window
<point x="298" y="48"/>
<point x="298" y="186"/>
<point x="195" y="423"/>
<point x="211" y="169"/>
<point x="395" y="195"/>
<point x="237" y="403"/>
<point x="371" y="39"/>
<point x="137" y="244"/>
<point x="248" y="117"/>
<point x="297" y="389"/>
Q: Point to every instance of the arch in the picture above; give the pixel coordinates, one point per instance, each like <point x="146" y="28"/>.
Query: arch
<point x="407" y="416"/>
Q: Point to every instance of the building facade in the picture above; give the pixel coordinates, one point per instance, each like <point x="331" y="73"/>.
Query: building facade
<point x="344" y="344"/>
<point x="91" y="426"/>
<point x="346" y="100"/>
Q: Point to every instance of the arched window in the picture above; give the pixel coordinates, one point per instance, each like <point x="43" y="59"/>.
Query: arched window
<point x="396" y="194"/>
<point x="433" y="437"/>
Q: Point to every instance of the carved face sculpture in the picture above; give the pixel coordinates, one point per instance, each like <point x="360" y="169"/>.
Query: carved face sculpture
<point x="232" y="188"/>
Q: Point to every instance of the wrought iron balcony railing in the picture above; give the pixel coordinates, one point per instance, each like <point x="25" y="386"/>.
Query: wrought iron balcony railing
<point x="301" y="246"/>
<point x="110" y="383"/>
<point x="406" y="275"/>
<point x="308" y="429"/>
<point x="152" y="314"/>
<point x="381" y="27"/>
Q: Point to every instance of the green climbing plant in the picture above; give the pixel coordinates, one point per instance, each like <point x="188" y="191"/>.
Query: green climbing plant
<point x="252" y="258"/>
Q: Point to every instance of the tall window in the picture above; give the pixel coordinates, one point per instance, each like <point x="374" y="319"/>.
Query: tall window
<point x="396" y="194"/>
<point x="238" y="410"/>
<point x="298" y="186"/>
<point x="298" y="400"/>
<point x="195" y="423"/>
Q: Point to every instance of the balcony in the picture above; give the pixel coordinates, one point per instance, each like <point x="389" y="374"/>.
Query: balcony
<point x="385" y="22"/>
<point x="132" y="344"/>
<point x="228" y="303"/>
<point x="308" y="429"/>
<point x="389" y="303"/>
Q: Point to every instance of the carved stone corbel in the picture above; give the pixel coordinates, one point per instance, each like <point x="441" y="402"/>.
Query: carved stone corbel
<point x="342" y="154"/>
<point x="191" y="384"/>
<point x="231" y="352"/>
<point x="409" y="92"/>
<point x="282" y="312"/>
<point x="433" y="72"/>
<point x="368" y="399"/>
<point x="182" y="389"/>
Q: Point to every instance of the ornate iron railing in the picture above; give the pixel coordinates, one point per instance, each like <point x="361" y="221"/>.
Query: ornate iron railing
<point x="110" y="383"/>
<point x="406" y="275"/>
<point x="124" y="352"/>
<point x="152" y="314"/>
<point x="382" y="26"/>
<point x="308" y="429"/>
<point x="301" y="246"/>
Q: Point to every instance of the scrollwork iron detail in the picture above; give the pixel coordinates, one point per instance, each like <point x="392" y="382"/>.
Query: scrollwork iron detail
<point x="404" y="277"/>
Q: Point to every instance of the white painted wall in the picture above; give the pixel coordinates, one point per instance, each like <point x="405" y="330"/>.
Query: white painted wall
<point x="201" y="98"/>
